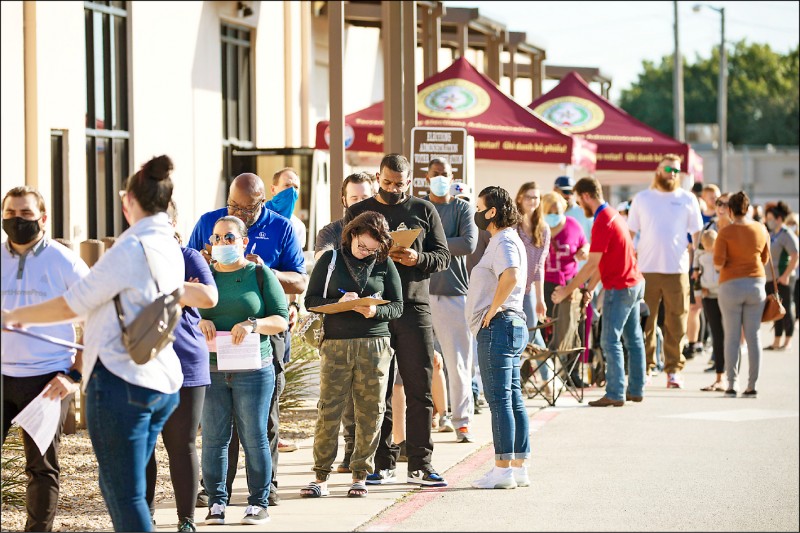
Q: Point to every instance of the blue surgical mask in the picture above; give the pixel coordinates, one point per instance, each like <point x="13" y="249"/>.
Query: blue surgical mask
<point x="553" y="219"/>
<point x="440" y="185"/>
<point x="227" y="254"/>
<point x="283" y="202"/>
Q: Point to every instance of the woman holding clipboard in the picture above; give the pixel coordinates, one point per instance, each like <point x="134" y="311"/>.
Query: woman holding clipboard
<point x="355" y="352"/>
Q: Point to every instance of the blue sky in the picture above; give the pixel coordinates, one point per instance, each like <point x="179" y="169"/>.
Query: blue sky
<point x="618" y="36"/>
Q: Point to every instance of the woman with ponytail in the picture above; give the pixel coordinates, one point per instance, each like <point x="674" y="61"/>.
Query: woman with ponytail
<point x="127" y="403"/>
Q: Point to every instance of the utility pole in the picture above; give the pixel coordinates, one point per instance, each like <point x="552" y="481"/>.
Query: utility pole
<point x="722" y="110"/>
<point x="677" y="83"/>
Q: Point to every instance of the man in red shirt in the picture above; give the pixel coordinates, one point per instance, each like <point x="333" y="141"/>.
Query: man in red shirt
<point x="612" y="262"/>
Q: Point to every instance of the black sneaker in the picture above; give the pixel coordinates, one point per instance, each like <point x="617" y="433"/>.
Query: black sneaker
<point x="750" y="394"/>
<point x="255" y="515"/>
<point x="186" y="524"/>
<point x="730" y="393"/>
<point x="216" y="514"/>
<point x="426" y="476"/>
<point x="202" y="498"/>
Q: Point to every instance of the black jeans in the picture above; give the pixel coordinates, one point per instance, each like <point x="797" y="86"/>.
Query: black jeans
<point x="412" y="340"/>
<point x="714" y="321"/>
<point x="41" y="496"/>
<point x="179" y="436"/>
<point x="785" y="324"/>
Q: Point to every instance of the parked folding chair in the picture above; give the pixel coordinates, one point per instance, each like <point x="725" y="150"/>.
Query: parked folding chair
<point x="563" y="351"/>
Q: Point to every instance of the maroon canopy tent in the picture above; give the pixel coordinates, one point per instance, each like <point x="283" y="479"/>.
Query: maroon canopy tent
<point x="623" y="143"/>
<point x="462" y="97"/>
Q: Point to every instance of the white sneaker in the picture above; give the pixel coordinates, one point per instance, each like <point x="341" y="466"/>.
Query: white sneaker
<point x="255" y="514"/>
<point x="446" y="424"/>
<point x="496" y="478"/>
<point x="521" y="476"/>
<point x="216" y="514"/>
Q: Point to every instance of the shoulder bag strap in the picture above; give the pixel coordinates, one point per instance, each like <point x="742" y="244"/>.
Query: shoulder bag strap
<point x="331" y="266"/>
<point x="118" y="302"/>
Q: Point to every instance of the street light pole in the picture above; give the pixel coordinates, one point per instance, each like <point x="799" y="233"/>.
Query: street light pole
<point x="677" y="82"/>
<point x="722" y="99"/>
<point x="722" y="109"/>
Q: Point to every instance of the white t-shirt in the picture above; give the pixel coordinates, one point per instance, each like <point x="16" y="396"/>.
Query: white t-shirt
<point x="505" y="250"/>
<point x="664" y="221"/>
<point x="46" y="271"/>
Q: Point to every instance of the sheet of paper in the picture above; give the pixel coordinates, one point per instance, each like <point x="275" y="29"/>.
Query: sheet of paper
<point x="404" y="238"/>
<point x="40" y="420"/>
<point x="340" y="307"/>
<point x="243" y="356"/>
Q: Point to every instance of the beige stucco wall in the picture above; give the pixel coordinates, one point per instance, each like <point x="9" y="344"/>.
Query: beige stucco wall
<point x="12" y="97"/>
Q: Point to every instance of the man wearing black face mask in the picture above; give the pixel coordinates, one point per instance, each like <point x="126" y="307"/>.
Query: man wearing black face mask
<point x="412" y="333"/>
<point x="36" y="269"/>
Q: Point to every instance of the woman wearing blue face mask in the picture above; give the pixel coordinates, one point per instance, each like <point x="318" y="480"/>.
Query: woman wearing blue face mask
<point x="248" y="302"/>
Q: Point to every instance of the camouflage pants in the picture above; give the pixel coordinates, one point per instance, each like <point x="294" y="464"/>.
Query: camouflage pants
<point x="360" y="366"/>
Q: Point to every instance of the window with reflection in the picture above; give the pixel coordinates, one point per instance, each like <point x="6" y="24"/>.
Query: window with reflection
<point x="107" y="135"/>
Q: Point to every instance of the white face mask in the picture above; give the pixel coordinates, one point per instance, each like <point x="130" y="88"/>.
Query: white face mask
<point x="227" y="254"/>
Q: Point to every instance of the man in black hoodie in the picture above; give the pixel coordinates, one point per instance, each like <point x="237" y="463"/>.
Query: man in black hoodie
<point x="412" y="333"/>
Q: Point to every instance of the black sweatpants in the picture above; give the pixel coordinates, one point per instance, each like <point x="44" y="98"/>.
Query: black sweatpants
<point x="714" y="320"/>
<point x="41" y="495"/>
<point x="179" y="436"/>
<point x="412" y="340"/>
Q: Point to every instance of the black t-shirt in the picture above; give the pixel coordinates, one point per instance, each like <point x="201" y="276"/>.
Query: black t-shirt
<point x="430" y="244"/>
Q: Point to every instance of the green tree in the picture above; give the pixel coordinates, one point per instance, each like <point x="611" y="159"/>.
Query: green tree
<point x="763" y="101"/>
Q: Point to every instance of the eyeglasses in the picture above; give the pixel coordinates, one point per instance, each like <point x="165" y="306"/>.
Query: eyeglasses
<point x="228" y="238"/>
<point x="249" y="211"/>
<point x="672" y="170"/>
<point x="364" y="249"/>
<point x="721" y="203"/>
<point x="529" y="197"/>
<point x="566" y="193"/>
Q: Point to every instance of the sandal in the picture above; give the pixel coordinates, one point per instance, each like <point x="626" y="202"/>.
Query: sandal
<point x="358" y="490"/>
<point x="714" y="387"/>
<point x="314" y="490"/>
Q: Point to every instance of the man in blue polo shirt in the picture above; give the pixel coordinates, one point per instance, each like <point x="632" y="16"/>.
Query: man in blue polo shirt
<point x="36" y="269"/>
<point x="272" y="242"/>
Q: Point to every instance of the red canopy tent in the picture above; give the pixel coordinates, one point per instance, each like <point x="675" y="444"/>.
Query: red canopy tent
<point x="462" y="97"/>
<point x="623" y="143"/>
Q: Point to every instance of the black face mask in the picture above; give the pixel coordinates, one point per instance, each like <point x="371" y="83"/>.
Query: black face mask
<point x="20" y="230"/>
<point x="391" y="198"/>
<point x="481" y="221"/>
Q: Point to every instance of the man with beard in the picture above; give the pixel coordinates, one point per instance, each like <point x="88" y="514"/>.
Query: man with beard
<point x="612" y="261"/>
<point x="272" y="242"/>
<point x="412" y="333"/>
<point x="665" y="216"/>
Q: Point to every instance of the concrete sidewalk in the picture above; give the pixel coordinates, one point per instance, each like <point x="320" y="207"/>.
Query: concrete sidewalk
<point x="336" y="512"/>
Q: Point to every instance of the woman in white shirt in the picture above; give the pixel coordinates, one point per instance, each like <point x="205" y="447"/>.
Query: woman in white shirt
<point x="127" y="404"/>
<point x="495" y="316"/>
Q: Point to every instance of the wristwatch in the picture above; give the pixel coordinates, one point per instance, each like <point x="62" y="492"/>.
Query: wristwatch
<point x="295" y="305"/>
<point x="253" y="322"/>
<point x="74" y="375"/>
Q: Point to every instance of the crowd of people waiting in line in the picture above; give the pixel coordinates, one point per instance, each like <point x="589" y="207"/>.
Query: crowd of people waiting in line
<point x="389" y="371"/>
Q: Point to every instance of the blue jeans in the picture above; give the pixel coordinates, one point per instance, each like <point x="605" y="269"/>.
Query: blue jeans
<point x="535" y="336"/>
<point x="621" y="323"/>
<point x="499" y="348"/>
<point x="124" y="421"/>
<point x="245" y="396"/>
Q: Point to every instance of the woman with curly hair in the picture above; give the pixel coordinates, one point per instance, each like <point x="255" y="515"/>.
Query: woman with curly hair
<point x="355" y="353"/>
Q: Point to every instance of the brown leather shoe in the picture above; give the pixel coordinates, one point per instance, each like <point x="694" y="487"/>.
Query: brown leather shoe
<point x="630" y="398"/>
<point x="605" y="401"/>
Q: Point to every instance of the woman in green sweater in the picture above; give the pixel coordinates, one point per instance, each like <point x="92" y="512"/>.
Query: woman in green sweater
<point x="249" y="302"/>
<point x="355" y="352"/>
